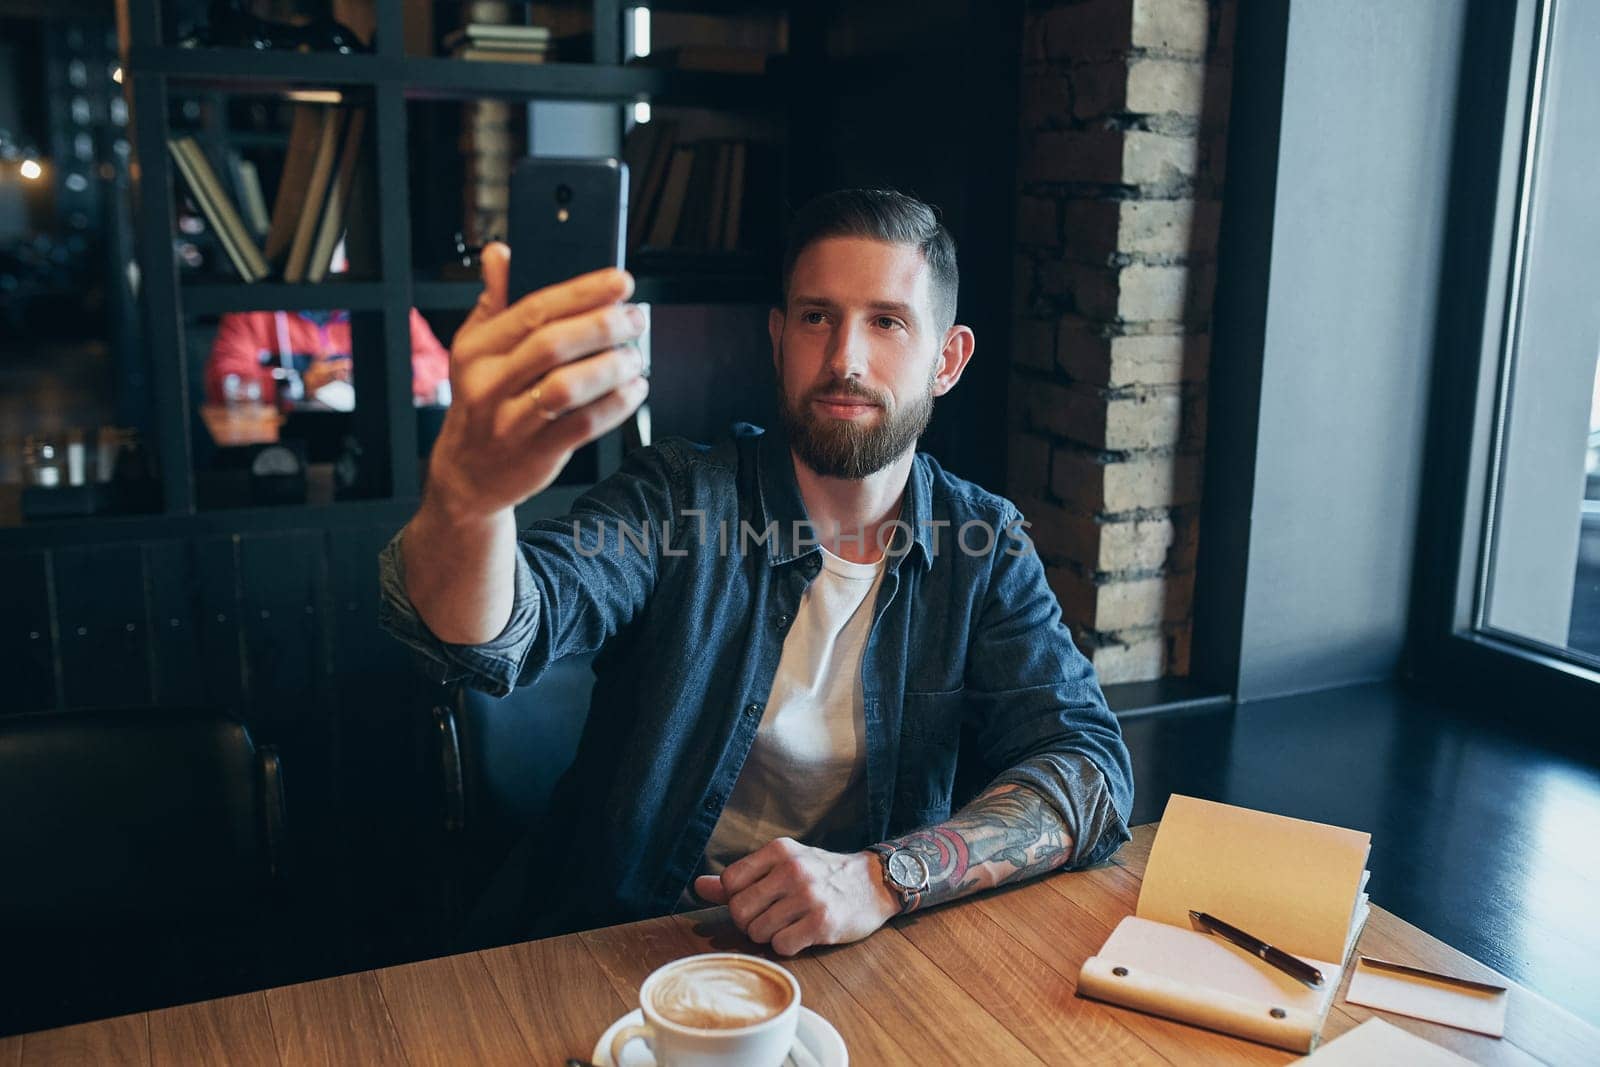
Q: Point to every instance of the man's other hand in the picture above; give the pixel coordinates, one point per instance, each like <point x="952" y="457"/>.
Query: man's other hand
<point x="793" y="896"/>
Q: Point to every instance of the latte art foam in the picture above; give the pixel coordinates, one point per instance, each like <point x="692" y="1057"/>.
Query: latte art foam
<point x="719" y="995"/>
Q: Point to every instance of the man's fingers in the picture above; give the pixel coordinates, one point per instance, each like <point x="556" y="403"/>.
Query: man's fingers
<point x="708" y="887"/>
<point x="747" y="904"/>
<point x="496" y="265"/>
<point x="799" y="936"/>
<point x="578" y="427"/>
<point x="501" y="332"/>
<point x="569" y="388"/>
<point x="782" y="912"/>
<point x="747" y="871"/>
<point x="569" y="340"/>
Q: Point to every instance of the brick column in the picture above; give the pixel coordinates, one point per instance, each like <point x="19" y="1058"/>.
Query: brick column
<point x="1124" y="108"/>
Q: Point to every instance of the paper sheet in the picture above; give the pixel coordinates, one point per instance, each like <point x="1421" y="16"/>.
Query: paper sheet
<point x="1376" y="1043"/>
<point x="1426" y="998"/>
<point x="1290" y="882"/>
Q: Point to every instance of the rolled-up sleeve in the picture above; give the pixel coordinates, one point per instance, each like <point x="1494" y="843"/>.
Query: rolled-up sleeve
<point x="493" y="666"/>
<point x="578" y="580"/>
<point x="1039" y="710"/>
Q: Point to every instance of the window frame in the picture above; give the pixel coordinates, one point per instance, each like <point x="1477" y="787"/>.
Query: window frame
<point x="1505" y="62"/>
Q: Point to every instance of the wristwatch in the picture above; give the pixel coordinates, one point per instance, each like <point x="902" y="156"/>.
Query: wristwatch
<point x="904" y="872"/>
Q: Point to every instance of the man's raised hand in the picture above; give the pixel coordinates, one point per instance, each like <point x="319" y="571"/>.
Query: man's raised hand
<point x="533" y="382"/>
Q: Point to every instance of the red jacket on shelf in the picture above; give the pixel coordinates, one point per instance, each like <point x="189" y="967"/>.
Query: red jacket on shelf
<point x="251" y="343"/>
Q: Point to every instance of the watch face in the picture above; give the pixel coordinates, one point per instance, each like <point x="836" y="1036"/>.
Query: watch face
<point x="907" y="870"/>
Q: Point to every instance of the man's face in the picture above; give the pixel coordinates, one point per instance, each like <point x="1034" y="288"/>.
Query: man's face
<point x="859" y="355"/>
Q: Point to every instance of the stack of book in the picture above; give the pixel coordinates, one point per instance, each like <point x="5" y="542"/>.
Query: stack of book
<point x="310" y="212"/>
<point x="697" y="196"/>
<point x="488" y="145"/>
<point x="499" y="44"/>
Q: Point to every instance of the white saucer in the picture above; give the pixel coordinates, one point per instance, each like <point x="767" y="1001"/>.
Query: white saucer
<point x="813" y="1031"/>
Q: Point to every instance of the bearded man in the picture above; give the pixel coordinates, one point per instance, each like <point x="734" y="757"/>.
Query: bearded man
<point x="795" y="628"/>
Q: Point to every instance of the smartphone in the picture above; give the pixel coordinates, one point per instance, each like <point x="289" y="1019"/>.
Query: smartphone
<point x="568" y="217"/>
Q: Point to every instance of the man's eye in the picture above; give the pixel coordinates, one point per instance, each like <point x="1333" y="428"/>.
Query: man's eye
<point x="887" y="323"/>
<point x="808" y="317"/>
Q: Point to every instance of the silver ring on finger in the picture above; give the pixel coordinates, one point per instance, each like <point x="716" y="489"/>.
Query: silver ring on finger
<point x="538" y="404"/>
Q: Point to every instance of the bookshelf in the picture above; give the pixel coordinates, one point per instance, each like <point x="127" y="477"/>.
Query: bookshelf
<point x="390" y="82"/>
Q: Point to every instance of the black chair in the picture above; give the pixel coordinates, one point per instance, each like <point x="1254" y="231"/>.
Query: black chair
<point x="143" y="854"/>
<point x="499" y="760"/>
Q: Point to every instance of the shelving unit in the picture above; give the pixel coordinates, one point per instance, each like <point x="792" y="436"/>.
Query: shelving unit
<point x="383" y="420"/>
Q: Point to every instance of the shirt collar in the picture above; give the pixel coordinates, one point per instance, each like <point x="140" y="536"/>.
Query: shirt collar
<point x="782" y="506"/>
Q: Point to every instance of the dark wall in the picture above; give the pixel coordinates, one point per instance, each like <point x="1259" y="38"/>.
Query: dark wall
<point x="923" y="97"/>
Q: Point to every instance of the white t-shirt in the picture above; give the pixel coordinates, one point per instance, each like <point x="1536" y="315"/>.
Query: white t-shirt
<point x="806" y="771"/>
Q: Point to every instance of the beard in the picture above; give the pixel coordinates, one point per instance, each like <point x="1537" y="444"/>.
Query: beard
<point x="851" y="448"/>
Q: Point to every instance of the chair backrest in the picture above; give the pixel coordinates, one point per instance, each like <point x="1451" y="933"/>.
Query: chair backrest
<point x="515" y="748"/>
<point x="146" y="815"/>
<point x="500" y="760"/>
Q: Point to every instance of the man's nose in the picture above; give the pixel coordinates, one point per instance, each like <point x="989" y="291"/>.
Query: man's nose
<point x="847" y="351"/>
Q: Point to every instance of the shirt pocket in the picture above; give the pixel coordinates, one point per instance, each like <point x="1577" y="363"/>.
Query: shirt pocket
<point x="933" y="718"/>
<point x="930" y="732"/>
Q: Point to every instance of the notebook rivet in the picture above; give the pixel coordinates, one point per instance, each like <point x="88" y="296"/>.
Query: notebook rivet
<point x="1279" y="1013"/>
<point x="1120" y="972"/>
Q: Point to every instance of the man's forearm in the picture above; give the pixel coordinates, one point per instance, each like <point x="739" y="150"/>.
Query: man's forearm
<point x="459" y="572"/>
<point x="1008" y="833"/>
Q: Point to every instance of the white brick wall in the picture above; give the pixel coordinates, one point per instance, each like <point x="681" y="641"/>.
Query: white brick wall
<point x="1124" y="113"/>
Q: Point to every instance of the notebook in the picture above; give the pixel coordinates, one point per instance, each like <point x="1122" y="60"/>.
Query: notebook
<point x="1297" y="885"/>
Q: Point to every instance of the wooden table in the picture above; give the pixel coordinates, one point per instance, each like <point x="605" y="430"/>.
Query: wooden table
<point x="990" y="980"/>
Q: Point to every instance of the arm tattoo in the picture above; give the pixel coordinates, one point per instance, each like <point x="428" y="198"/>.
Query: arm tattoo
<point x="1007" y="834"/>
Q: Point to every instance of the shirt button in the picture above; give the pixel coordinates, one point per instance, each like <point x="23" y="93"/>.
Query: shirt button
<point x="713" y="802"/>
<point x="752" y="709"/>
<point x="783" y="620"/>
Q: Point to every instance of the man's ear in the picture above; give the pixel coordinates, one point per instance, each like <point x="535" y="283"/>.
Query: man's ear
<point x="959" y="342"/>
<point x="775" y="321"/>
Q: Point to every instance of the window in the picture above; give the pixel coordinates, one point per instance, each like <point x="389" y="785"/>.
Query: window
<point x="1539" y="571"/>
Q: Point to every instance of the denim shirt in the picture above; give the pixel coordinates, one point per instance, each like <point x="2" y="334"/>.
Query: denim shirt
<point x="683" y="571"/>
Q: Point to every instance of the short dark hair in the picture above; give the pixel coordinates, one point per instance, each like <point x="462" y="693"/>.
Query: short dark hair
<point x="882" y="215"/>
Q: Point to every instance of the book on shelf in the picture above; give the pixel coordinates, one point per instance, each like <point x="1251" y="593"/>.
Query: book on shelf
<point x="247" y="183"/>
<point x="332" y="226"/>
<point x="361" y="222"/>
<point x="489" y="35"/>
<point x="498" y="55"/>
<point x="692" y="227"/>
<point x="668" y="213"/>
<point x="219" y="211"/>
<point x="696" y="196"/>
<point x="1298" y="886"/>
<point x="731" y="228"/>
<point x="648" y="153"/>
<point x="316" y="191"/>
<point x="717" y="216"/>
<point x="305" y="134"/>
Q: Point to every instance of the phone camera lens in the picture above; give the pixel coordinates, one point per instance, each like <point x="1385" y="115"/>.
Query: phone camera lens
<point x="563" y="194"/>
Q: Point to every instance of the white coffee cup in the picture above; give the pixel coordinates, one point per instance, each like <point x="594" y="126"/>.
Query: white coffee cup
<point x="719" y="1009"/>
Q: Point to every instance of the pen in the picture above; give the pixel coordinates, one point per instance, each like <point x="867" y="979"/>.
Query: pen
<point x="1280" y="959"/>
